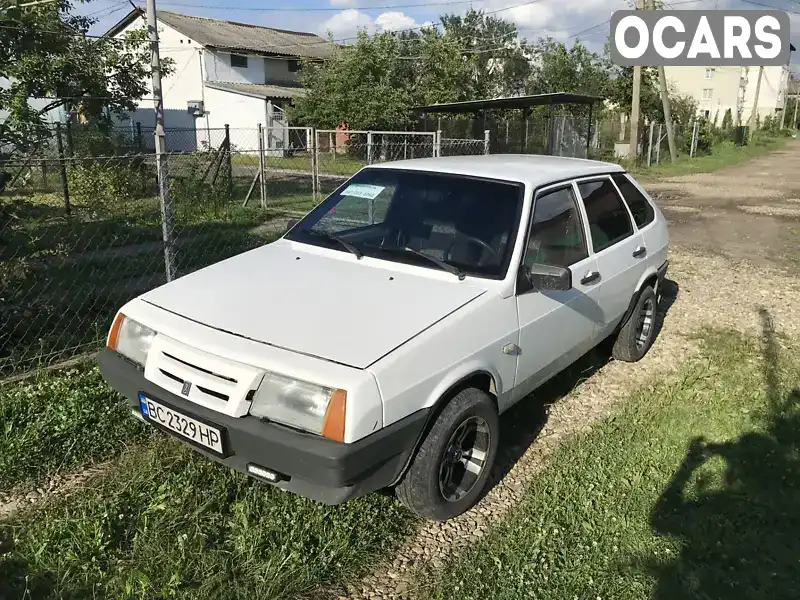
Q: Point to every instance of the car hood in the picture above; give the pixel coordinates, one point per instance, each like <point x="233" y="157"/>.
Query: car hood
<point x="347" y="311"/>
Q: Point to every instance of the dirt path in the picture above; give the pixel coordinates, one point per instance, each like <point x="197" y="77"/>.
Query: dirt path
<point x="717" y="221"/>
<point x="747" y="212"/>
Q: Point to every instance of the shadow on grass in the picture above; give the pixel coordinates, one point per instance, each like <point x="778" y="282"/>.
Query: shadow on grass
<point x="743" y="540"/>
<point x="524" y="422"/>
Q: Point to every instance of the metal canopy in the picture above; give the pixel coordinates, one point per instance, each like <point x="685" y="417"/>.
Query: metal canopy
<point x="509" y="103"/>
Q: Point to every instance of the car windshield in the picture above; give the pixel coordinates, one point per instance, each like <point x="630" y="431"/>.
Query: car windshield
<point x="456" y="223"/>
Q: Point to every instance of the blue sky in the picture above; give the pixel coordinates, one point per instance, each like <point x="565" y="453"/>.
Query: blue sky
<point x="563" y="19"/>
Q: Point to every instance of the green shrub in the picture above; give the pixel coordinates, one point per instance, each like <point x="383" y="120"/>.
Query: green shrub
<point x="97" y="185"/>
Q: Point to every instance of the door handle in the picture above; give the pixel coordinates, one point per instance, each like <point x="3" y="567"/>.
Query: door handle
<point x="640" y="251"/>
<point x="590" y="277"/>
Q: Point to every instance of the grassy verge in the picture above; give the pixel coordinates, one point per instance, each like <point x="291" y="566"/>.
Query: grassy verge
<point x="60" y="422"/>
<point x="689" y="491"/>
<point x="168" y="523"/>
<point x="722" y="155"/>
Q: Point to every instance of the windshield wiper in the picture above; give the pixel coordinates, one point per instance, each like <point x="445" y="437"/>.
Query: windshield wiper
<point x="445" y="266"/>
<point x="330" y="236"/>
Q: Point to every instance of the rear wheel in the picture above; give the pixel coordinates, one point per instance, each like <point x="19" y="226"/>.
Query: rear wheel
<point x="450" y="470"/>
<point x="638" y="332"/>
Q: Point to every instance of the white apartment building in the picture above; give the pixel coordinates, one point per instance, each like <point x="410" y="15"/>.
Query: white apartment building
<point x="717" y="89"/>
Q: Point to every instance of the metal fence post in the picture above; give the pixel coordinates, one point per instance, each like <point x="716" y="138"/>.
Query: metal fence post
<point x="486" y="138"/>
<point x="261" y="170"/>
<point x="437" y="143"/>
<point x="62" y="163"/>
<point x="369" y="147"/>
<point x="650" y="144"/>
<point x="311" y="143"/>
<point x="44" y="173"/>
<point x="138" y="135"/>
<point x="658" y="147"/>
<point x="228" y="160"/>
<point x="318" y="188"/>
<point x="70" y="146"/>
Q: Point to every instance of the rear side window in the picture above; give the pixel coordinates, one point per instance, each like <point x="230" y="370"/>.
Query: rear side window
<point x="609" y="222"/>
<point x="641" y="209"/>
<point x="556" y="236"/>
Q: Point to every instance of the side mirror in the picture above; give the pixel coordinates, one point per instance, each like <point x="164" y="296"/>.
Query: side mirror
<point x="290" y="224"/>
<point x="545" y="278"/>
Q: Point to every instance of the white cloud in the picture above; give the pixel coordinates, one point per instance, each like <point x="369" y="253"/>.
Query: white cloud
<point x="347" y="23"/>
<point x="392" y="21"/>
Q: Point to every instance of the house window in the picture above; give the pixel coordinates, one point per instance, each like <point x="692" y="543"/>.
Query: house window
<point x="710" y="73"/>
<point x="239" y="60"/>
<point x="707" y="93"/>
<point x="294" y="66"/>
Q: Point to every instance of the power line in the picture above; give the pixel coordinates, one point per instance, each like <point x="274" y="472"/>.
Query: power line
<point x="794" y="12"/>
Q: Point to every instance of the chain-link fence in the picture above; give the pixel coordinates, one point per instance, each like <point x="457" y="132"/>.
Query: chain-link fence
<point x="81" y="222"/>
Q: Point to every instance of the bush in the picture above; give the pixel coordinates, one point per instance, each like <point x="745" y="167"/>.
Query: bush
<point x="191" y="183"/>
<point x="94" y="184"/>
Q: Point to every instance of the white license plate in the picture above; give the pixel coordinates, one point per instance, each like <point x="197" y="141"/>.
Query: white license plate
<point x="184" y="425"/>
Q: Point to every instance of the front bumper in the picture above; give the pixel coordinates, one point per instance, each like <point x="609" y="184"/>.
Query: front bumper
<point x="309" y="465"/>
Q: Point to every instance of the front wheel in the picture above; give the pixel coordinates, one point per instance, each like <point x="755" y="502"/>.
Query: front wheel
<point x="450" y="470"/>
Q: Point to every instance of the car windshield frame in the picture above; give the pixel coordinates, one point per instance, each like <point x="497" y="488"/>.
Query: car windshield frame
<point x="298" y="232"/>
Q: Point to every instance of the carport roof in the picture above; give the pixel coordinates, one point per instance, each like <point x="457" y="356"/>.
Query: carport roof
<point x="509" y="103"/>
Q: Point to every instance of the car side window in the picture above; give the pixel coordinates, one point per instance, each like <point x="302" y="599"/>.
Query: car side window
<point x="609" y="221"/>
<point x="556" y="237"/>
<point x="641" y="209"/>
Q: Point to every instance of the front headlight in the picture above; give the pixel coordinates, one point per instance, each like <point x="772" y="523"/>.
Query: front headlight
<point x="131" y="339"/>
<point x="313" y="408"/>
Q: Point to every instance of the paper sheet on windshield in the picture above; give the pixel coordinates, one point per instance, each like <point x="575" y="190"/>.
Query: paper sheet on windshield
<point x="363" y="190"/>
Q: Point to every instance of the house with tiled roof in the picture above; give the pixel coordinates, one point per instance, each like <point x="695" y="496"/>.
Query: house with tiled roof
<point x="225" y="73"/>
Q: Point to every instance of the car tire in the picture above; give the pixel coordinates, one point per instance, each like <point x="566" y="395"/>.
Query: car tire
<point x="463" y="438"/>
<point x="639" y="331"/>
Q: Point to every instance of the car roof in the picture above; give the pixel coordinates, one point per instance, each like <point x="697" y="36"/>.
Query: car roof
<point x="532" y="169"/>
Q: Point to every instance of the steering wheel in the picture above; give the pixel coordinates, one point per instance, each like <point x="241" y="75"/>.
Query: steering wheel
<point x="474" y="240"/>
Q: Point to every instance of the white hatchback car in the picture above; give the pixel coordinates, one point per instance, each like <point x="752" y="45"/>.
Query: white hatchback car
<point x="375" y="344"/>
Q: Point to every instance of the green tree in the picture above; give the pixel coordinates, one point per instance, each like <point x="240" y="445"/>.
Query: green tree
<point x="561" y="69"/>
<point x="497" y="61"/>
<point x="727" y="120"/>
<point x="374" y="82"/>
<point x="45" y="53"/>
<point x="365" y="85"/>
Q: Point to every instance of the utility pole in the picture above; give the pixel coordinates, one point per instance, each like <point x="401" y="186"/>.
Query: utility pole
<point x="753" y="115"/>
<point x="662" y="84"/>
<point x="785" y="98"/>
<point x="160" y="143"/>
<point x="637" y="86"/>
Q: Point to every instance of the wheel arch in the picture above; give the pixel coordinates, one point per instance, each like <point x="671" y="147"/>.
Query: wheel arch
<point x="649" y="278"/>
<point x="481" y="378"/>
